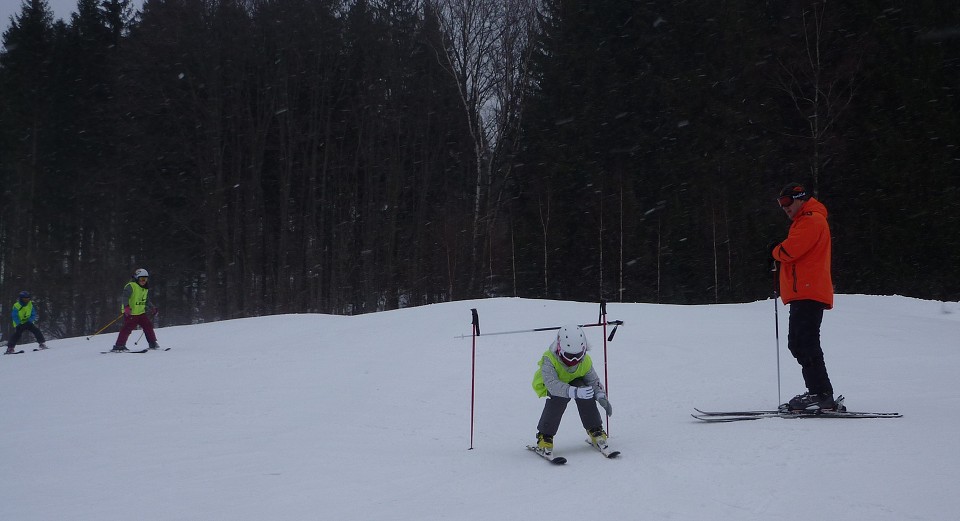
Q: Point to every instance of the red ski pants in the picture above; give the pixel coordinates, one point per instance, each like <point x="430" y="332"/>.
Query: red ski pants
<point x="130" y="323"/>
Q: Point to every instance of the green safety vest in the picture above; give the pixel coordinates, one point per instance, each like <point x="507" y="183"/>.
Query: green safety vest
<point x="23" y="312"/>
<point x="138" y="299"/>
<point x="562" y="371"/>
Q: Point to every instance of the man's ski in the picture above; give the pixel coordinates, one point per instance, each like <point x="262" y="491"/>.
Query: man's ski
<point x="840" y="412"/>
<point x="556" y="460"/>
<point x="840" y="407"/>
<point x="606" y="451"/>
<point x="758" y="415"/>
<point x="734" y="413"/>
<point x="125" y="352"/>
<point x="15" y="352"/>
<point x="726" y="418"/>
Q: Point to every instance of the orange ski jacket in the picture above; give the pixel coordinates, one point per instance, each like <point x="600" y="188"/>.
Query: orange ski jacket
<point x="804" y="257"/>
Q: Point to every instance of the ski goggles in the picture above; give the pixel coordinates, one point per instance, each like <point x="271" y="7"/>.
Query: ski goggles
<point x="787" y="200"/>
<point x="571" y="358"/>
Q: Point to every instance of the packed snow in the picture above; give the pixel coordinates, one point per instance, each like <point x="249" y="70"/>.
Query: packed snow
<point x="298" y="417"/>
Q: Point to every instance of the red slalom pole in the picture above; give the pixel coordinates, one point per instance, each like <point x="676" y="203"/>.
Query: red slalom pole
<point x="606" y="380"/>
<point x="473" y="370"/>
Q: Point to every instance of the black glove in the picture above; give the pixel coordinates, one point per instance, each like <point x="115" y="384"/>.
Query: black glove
<point x="773" y="262"/>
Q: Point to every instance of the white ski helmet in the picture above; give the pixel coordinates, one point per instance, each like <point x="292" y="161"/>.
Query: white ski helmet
<point x="141" y="273"/>
<point x="571" y="343"/>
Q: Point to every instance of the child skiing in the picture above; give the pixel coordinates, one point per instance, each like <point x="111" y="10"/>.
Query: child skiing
<point x="137" y="302"/>
<point x="566" y="373"/>
<point x="24" y="316"/>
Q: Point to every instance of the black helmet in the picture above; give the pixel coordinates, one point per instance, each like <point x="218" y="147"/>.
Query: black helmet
<point x="795" y="191"/>
<point x="24" y="294"/>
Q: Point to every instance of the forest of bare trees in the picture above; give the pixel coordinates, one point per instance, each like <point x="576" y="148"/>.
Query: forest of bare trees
<point x="348" y="156"/>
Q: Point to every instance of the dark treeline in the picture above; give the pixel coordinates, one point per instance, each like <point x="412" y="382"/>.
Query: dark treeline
<point x="335" y="156"/>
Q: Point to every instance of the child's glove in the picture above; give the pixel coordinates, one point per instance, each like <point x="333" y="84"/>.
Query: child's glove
<point x="580" y="393"/>
<point x="602" y="400"/>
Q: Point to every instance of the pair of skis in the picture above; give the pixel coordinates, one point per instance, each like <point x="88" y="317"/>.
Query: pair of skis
<point x="607" y="452"/>
<point x="840" y="412"/>
<point x="735" y="416"/>
<point x="137" y="352"/>
<point x="20" y="352"/>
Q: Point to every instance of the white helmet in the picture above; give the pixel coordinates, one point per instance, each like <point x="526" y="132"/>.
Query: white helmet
<point x="571" y="343"/>
<point x="141" y="273"/>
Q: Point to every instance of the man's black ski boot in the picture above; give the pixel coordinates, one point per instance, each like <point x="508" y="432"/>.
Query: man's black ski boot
<point x="810" y="402"/>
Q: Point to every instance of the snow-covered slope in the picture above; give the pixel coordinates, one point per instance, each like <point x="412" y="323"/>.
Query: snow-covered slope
<point x="301" y="417"/>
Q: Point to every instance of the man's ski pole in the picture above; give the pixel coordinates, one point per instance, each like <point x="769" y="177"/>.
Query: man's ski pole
<point x="105" y="327"/>
<point x="776" y="323"/>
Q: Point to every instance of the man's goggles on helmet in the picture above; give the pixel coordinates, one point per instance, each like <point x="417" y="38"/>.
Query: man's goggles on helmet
<point x="787" y="200"/>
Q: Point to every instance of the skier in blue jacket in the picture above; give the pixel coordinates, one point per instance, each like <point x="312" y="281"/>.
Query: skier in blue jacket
<point x="24" y="316"/>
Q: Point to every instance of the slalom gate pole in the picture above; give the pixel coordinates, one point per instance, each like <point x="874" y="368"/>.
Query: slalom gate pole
<point x="105" y="327"/>
<point x="602" y="321"/>
<point x="473" y="370"/>
<point x="606" y="380"/>
<point x="776" y="323"/>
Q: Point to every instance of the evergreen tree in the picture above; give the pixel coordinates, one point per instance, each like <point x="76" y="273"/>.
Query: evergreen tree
<point x="28" y="133"/>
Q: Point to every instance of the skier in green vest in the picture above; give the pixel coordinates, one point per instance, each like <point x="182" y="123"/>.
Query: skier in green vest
<point x="24" y="317"/>
<point x="136" y="303"/>
<point x="566" y="373"/>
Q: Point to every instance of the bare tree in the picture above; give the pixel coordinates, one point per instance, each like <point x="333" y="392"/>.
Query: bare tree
<point x="819" y="89"/>
<point x="545" y="227"/>
<point x="487" y="55"/>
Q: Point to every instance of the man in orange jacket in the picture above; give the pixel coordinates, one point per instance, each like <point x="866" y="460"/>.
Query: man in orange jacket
<point x="805" y="284"/>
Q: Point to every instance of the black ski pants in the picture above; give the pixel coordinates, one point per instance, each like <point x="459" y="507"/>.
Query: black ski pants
<point x="18" y="331"/>
<point x="803" y="340"/>
<point x="556" y="405"/>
